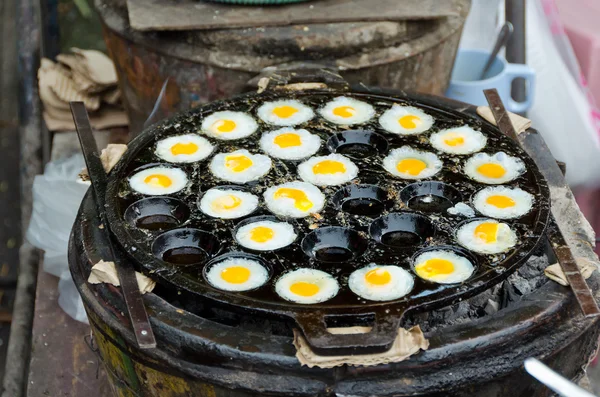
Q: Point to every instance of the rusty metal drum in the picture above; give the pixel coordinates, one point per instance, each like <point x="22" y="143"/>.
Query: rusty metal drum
<point x="206" y="65"/>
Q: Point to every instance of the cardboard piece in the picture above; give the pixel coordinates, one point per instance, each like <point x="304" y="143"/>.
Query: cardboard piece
<point x="555" y="273"/>
<point x="520" y="124"/>
<point x="407" y="343"/>
<point x="85" y="76"/>
<point x="105" y="272"/>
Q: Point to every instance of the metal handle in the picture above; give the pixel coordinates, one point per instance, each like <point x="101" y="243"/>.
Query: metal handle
<point x="379" y="339"/>
<point x="133" y="298"/>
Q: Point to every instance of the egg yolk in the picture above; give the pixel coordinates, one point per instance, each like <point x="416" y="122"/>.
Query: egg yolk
<point x="329" y="167"/>
<point x="287" y="140"/>
<point x="491" y="170"/>
<point x="411" y="166"/>
<point x="158" y="180"/>
<point x="454" y="140"/>
<point x="344" y="111"/>
<point x="224" y="125"/>
<point x="300" y="198"/>
<point x="285" y="111"/>
<point x="500" y="201"/>
<point x="304" y="289"/>
<point x="409" y="121"/>
<point x="235" y="274"/>
<point x="434" y="267"/>
<point x="184" y="148"/>
<point x="227" y="202"/>
<point x="261" y="234"/>
<point x="487" y="232"/>
<point x="378" y="276"/>
<point x="238" y="162"/>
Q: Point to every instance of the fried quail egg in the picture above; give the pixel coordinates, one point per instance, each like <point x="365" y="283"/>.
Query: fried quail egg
<point x="443" y="267"/>
<point x="502" y="202"/>
<point x="409" y="163"/>
<point x="307" y="286"/>
<point x="237" y="274"/>
<point x="227" y="125"/>
<point x="290" y="144"/>
<point x="461" y="140"/>
<point x="486" y="236"/>
<point x="347" y="111"/>
<point x="288" y="112"/>
<point x="240" y="166"/>
<point x="381" y="283"/>
<point x="266" y="235"/>
<point x="158" y="180"/>
<point x="405" y="120"/>
<point x="294" y="199"/>
<point x="184" y="148"/>
<point x="333" y="169"/>
<point x="494" y="169"/>
<point x="227" y="203"/>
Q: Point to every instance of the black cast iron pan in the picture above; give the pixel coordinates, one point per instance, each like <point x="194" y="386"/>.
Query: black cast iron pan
<point x="357" y="230"/>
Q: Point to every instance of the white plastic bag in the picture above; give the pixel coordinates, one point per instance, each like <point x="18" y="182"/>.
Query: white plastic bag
<point x="563" y="111"/>
<point x="56" y="199"/>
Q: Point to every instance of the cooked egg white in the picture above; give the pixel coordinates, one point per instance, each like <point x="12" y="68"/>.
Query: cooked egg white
<point x="381" y="283"/>
<point x="486" y="236"/>
<point x="290" y="144"/>
<point x="158" y="180"/>
<point x="443" y="267"/>
<point x="503" y="202"/>
<point x="307" y="286"/>
<point x="184" y="148"/>
<point x="494" y="169"/>
<point x="288" y="112"/>
<point x="333" y="169"/>
<point x="294" y="199"/>
<point x="237" y="274"/>
<point x="347" y="111"/>
<point x="228" y="125"/>
<point x="405" y="120"/>
<point x="227" y="203"/>
<point x="266" y="235"/>
<point x="409" y="163"/>
<point x="240" y="166"/>
<point x="461" y="140"/>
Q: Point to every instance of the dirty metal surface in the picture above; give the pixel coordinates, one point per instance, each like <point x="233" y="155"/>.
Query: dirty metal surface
<point x="191" y="14"/>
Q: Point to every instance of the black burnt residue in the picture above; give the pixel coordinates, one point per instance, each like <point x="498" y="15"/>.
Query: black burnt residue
<point x="355" y="207"/>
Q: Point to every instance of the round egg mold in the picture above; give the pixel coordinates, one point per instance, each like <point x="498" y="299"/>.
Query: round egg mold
<point x="352" y="236"/>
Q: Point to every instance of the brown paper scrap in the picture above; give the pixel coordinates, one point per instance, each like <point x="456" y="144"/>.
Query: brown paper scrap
<point x="520" y="124"/>
<point x="105" y="272"/>
<point x="109" y="156"/>
<point x="407" y="343"/>
<point x="586" y="266"/>
<point x="105" y="117"/>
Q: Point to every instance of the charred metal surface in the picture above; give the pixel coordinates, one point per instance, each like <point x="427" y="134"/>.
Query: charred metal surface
<point x="207" y="65"/>
<point x="215" y="354"/>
